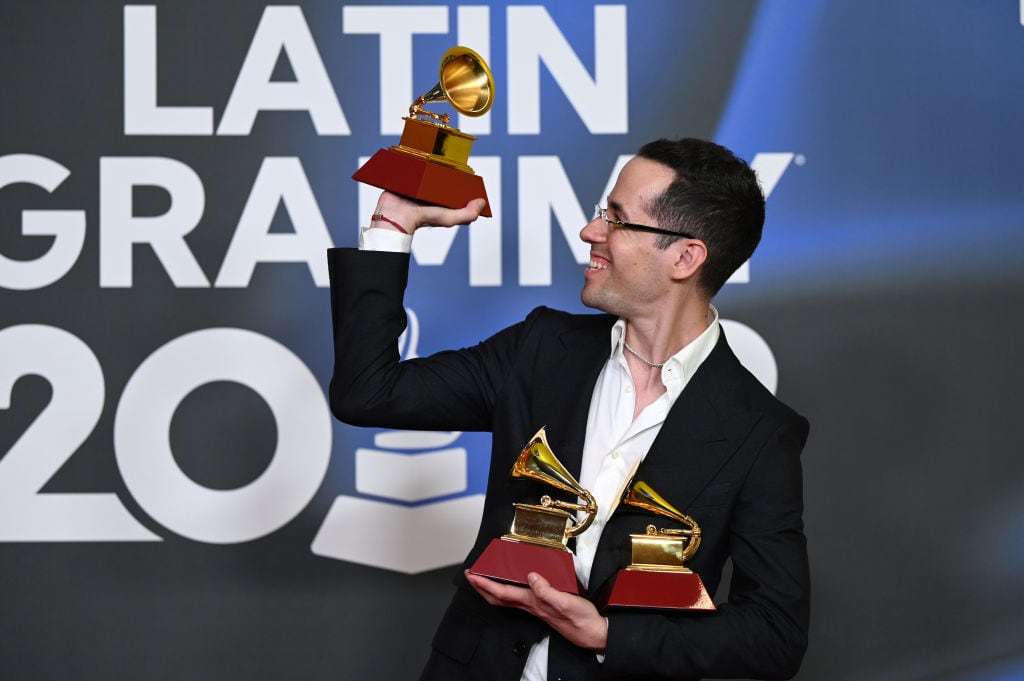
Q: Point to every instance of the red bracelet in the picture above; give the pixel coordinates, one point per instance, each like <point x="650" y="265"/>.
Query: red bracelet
<point x="381" y="216"/>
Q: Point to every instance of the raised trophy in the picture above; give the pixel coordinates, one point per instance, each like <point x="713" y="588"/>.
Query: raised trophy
<point x="537" y="539"/>
<point x="657" y="576"/>
<point x="429" y="162"/>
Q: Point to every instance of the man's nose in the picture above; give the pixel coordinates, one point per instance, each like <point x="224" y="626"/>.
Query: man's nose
<point x="593" y="230"/>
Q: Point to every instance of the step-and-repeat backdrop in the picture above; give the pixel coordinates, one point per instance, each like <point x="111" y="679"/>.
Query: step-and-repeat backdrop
<point x="176" y="500"/>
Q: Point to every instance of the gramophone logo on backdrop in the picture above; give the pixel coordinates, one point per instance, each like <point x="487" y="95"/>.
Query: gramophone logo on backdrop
<point x="409" y="467"/>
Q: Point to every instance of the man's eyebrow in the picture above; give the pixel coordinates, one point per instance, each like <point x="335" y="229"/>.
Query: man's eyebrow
<point x="617" y="210"/>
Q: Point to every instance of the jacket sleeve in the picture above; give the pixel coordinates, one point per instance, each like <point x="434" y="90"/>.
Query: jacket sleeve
<point x="371" y="386"/>
<point x="761" y="632"/>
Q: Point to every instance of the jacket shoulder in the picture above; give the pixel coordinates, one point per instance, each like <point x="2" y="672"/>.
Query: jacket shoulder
<point x="755" y="394"/>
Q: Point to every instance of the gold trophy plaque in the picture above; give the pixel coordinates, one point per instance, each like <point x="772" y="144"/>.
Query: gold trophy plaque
<point x="657" y="576"/>
<point x="429" y="164"/>
<point x="537" y="540"/>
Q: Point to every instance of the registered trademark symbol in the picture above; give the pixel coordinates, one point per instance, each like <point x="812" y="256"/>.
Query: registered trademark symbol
<point x="800" y="159"/>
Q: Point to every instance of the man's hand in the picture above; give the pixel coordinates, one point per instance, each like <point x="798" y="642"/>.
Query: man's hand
<point x="572" y="616"/>
<point x="411" y="215"/>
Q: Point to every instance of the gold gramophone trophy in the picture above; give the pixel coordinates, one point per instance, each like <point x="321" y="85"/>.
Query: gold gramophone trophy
<point x="536" y="542"/>
<point x="657" y="576"/>
<point x="429" y="162"/>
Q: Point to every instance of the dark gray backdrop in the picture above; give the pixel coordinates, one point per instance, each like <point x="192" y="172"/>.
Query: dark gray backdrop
<point x="888" y="288"/>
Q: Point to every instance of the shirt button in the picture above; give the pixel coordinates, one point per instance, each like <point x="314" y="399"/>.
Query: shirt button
<point x="520" y="648"/>
<point x="629" y="388"/>
<point x="615" y="453"/>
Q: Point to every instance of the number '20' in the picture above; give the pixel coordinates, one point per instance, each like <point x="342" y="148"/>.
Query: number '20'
<point x="142" y="442"/>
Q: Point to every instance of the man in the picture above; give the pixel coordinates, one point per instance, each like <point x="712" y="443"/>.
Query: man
<point x="649" y="387"/>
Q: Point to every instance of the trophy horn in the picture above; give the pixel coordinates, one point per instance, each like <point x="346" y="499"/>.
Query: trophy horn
<point x="464" y="81"/>
<point x="641" y="495"/>
<point x="538" y="462"/>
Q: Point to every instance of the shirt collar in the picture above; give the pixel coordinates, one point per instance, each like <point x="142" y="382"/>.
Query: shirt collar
<point x="680" y="367"/>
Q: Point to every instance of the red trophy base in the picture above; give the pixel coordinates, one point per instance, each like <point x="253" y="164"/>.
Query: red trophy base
<point x="511" y="561"/>
<point x="423" y="180"/>
<point x="663" y="589"/>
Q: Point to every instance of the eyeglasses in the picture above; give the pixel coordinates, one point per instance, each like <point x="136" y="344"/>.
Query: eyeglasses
<point x="603" y="214"/>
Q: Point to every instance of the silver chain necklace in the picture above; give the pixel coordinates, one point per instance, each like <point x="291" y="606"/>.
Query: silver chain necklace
<point x="656" y="365"/>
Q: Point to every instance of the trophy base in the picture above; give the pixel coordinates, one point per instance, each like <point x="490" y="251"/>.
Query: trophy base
<point x="423" y="180"/>
<point x="659" y="589"/>
<point x="510" y="561"/>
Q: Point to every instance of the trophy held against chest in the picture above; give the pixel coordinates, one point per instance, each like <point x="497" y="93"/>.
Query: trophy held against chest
<point x="429" y="163"/>
<point x="537" y="539"/>
<point x="657" y="576"/>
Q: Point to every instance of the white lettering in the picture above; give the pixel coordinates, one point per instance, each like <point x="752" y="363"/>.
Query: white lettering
<point x="120" y="229"/>
<point x="280" y="180"/>
<point x="142" y="115"/>
<point x="601" y="102"/>
<point x="475" y="33"/>
<point x="75" y="376"/>
<point x="544" y="188"/>
<point x="283" y="30"/>
<point x="142" y="441"/>
<point x="396" y="26"/>
<point x="485" y="233"/>
<point x="769" y="168"/>
<point x="67" y="226"/>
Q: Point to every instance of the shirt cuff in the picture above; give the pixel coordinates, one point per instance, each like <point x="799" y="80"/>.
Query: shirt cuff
<point x="376" y="239"/>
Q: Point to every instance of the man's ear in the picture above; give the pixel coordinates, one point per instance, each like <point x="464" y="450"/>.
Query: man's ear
<point x="690" y="256"/>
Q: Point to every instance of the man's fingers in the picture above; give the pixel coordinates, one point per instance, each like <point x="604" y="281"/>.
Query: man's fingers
<point x="412" y="215"/>
<point x="497" y="593"/>
<point x="449" y="217"/>
<point x="541" y="587"/>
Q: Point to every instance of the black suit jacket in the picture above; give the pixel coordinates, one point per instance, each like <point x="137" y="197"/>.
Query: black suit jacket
<point x="727" y="455"/>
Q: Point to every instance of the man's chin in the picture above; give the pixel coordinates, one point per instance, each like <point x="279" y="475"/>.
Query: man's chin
<point x="592" y="301"/>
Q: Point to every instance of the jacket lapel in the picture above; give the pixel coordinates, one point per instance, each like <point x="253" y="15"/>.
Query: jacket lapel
<point x="567" y="373"/>
<point x="705" y="427"/>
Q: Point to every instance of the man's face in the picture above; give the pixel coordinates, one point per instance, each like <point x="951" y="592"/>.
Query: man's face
<point x="627" y="275"/>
